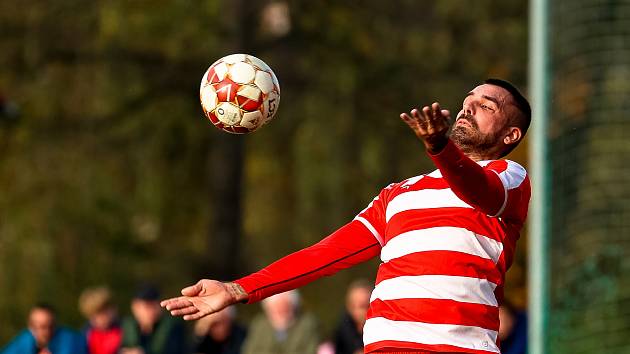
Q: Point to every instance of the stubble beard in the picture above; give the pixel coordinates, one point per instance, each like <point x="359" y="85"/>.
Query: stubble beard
<point x="471" y="141"/>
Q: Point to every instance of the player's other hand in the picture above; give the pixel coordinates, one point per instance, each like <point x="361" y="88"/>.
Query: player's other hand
<point x="431" y="125"/>
<point x="204" y="298"/>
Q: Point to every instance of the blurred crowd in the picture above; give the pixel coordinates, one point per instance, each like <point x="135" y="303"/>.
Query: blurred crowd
<point x="281" y="328"/>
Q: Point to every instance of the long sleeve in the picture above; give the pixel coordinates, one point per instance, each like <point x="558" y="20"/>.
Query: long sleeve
<point x="352" y="244"/>
<point x="480" y="187"/>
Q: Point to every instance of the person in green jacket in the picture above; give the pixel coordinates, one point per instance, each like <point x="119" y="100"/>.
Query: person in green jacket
<point x="147" y="331"/>
<point x="283" y="328"/>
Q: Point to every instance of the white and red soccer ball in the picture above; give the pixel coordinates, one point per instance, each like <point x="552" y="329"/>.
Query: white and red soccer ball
<point x="239" y="93"/>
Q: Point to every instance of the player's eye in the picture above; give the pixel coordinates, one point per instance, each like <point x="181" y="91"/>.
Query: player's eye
<point x="486" y="107"/>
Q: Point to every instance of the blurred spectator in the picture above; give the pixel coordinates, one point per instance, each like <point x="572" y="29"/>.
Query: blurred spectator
<point x="218" y="333"/>
<point x="283" y="328"/>
<point x="349" y="332"/>
<point x="512" y="329"/>
<point x="147" y="331"/>
<point x="102" y="333"/>
<point x="43" y="336"/>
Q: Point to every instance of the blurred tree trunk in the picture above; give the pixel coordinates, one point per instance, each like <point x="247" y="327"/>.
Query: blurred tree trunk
<point x="226" y="171"/>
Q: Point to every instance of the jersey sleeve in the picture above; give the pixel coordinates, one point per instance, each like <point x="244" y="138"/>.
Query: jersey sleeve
<point x="515" y="182"/>
<point x="350" y="245"/>
<point x="500" y="189"/>
<point x="373" y="216"/>
<point x="354" y="243"/>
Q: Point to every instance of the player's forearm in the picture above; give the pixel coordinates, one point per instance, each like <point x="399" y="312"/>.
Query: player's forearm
<point x="350" y="245"/>
<point x="472" y="183"/>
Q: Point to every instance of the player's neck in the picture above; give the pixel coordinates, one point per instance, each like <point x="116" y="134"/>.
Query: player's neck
<point x="475" y="157"/>
<point x="480" y="155"/>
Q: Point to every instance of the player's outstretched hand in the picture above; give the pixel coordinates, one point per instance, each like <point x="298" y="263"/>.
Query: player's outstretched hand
<point x="204" y="298"/>
<point x="431" y="125"/>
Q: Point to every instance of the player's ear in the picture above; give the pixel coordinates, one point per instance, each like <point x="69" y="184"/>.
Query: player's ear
<point x="512" y="136"/>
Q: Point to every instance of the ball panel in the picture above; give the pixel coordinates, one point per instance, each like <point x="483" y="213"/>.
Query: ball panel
<point x="228" y="113"/>
<point x="208" y="98"/>
<point x="238" y="130"/>
<point x="242" y="73"/>
<point x="252" y="120"/>
<point x="217" y="72"/>
<point x="226" y="90"/>
<point x="234" y="58"/>
<point x="258" y="63"/>
<point x="276" y="84"/>
<point x="249" y="97"/>
<point x="213" y="118"/>
<point x="270" y="105"/>
<point x="263" y="81"/>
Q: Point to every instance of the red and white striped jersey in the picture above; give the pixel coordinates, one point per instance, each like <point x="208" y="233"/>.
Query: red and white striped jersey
<point x="445" y="239"/>
<point x="443" y="262"/>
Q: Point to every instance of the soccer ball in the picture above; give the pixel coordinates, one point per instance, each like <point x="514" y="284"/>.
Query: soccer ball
<point x="239" y="93"/>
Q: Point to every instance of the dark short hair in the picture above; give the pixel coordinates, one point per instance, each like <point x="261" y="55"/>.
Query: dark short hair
<point x="147" y="292"/>
<point x="44" y="306"/>
<point x="520" y="102"/>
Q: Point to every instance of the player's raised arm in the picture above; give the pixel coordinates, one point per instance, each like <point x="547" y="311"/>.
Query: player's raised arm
<point x="472" y="183"/>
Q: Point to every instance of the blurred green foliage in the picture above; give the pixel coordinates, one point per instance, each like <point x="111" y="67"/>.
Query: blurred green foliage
<point x="110" y="174"/>
<point x="589" y="146"/>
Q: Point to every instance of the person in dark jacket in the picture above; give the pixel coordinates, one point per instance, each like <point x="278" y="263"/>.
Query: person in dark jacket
<point x="512" y="329"/>
<point x="219" y="333"/>
<point x="349" y="333"/>
<point x="147" y="331"/>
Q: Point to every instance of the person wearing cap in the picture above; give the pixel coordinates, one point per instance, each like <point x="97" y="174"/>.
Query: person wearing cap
<point x="103" y="333"/>
<point x="147" y="331"/>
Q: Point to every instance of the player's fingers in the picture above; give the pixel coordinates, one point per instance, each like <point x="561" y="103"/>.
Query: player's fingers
<point x="167" y="302"/>
<point x="177" y="303"/>
<point x="192" y="290"/>
<point x="194" y="316"/>
<point x="447" y="118"/>
<point x="421" y="121"/>
<point x="428" y="117"/>
<point x="435" y="107"/>
<point x="184" y="311"/>
<point x="417" y="115"/>
<point x="436" y="111"/>
<point x="407" y="119"/>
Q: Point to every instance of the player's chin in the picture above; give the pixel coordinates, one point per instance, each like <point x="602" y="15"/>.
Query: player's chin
<point x="459" y="132"/>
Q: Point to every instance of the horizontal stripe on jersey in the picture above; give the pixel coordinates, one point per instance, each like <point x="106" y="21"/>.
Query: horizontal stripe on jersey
<point x="423" y="199"/>
<point x="461" y="289"/>
<point x="437" y="311"/>
<point x="381" y="329"/>
<point x="469" y="219"/>
<point x="401" y="347"/>
<point x="455" y="239"/>
<point x="441" y="263"/>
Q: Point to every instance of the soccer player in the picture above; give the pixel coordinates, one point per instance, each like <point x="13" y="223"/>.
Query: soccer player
<point x="445" y="238"/>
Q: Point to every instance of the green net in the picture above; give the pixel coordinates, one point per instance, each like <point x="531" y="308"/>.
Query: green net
<point x="589" y="151"/>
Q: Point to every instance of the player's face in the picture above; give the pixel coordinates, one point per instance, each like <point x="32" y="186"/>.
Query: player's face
<point x="483" y="118"/>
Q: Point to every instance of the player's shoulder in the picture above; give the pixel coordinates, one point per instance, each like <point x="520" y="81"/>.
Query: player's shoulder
<point x="505" y="165"/>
